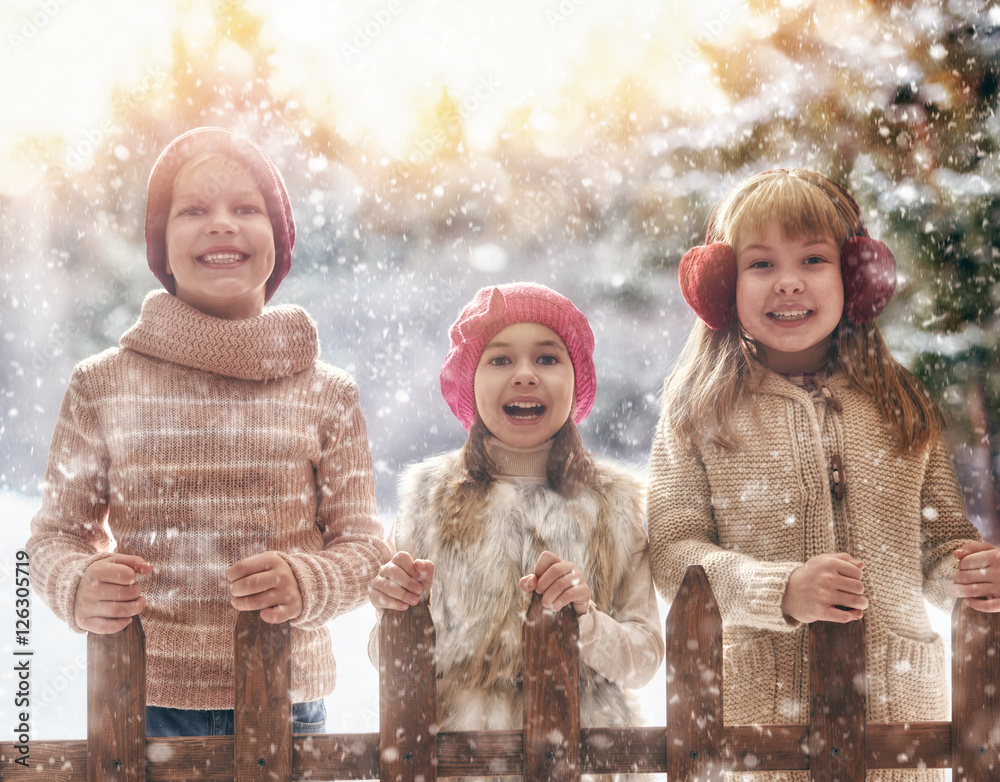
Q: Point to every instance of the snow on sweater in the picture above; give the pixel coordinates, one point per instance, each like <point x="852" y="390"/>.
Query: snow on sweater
<point x="198" y="443"/>
<point x="753" y="515"/>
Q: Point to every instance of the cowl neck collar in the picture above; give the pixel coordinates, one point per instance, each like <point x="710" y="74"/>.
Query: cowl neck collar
<point x="281" y="341"/>
<point x="519" y="462"/>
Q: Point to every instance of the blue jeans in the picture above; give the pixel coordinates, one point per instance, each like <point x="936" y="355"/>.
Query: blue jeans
<point x="309" y="717"/>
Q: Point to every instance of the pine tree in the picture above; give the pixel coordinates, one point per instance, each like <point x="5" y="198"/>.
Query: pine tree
<point x="946" y="117"/>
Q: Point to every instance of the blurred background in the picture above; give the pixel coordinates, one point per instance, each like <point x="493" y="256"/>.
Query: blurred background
<point x="432" y="147"/>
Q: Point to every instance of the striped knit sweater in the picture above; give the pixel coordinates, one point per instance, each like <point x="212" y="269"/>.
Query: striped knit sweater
<point x="753" y="515"/>
<point x="198" y="443"/>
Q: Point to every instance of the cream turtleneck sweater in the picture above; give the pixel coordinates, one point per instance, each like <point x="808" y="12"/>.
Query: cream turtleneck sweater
<point x="198" y="443"/>
<point x="520" y="466"/>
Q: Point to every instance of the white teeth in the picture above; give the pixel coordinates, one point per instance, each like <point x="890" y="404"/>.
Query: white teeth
<point x="525" y="410"/>
<point x="222" y="257"/>
<point x="792" y="315"/>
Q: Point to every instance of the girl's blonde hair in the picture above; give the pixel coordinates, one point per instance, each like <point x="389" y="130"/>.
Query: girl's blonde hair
<point x="718" y="372"/>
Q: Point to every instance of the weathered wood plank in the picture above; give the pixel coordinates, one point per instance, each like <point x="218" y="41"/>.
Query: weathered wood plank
<point x="58" y="761"/>
<point x="909" y="745"/>
<point x="766" y="747"/>
<point x="551" y="694"/>
<point x="262" y="743"/>
<point x="478" y="754"/>
<point x="975" y="703"/>
<point x="204" y="758"/>
<point x="837" y="702"/>
<point x="495" y="753"/>
<point x="623" y="750"/>
<point x="336" y="756"/>
<point x="694" y="682"/>
<point x="116" y="705"/>
<point x="180" y="758"/>
<point x="407" y="697"/>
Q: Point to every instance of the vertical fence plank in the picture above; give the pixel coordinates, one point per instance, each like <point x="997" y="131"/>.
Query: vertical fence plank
<point x="407" y="699"/>
<point x="837" y="700"/>
<point x="551" y="694"/>
<point x="694" y="682"/>
<point x="975" y="707"/>
<point x="116" y="705"/>
<point x="262" y="744"/>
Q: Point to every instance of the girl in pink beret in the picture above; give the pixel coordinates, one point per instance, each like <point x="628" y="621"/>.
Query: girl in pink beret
<point x="523" y="508"/>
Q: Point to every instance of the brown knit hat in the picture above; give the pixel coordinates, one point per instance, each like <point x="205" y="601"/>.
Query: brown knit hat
<point x="159" y="194"/>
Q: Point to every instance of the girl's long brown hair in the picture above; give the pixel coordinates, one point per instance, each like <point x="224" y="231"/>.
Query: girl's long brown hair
<point x="718" y="372"/>
<point x="570" y="467"/>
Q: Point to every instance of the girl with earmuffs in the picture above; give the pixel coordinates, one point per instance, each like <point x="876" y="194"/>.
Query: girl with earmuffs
<point x="803" y="467"/>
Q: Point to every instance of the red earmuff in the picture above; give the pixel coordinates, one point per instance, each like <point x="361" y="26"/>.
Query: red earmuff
<point x="867" y="266"/>
<point x="708" y="282"/>
<point x="869" y="272"/>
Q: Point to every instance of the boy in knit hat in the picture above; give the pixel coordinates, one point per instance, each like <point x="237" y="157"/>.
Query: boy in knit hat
<point x="211" y="464"/>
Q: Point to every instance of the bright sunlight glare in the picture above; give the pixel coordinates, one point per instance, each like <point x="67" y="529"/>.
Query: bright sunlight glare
<point x="377" y="66"/>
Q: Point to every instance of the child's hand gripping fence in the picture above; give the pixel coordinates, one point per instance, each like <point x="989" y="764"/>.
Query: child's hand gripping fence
<point x="695" y="746"/>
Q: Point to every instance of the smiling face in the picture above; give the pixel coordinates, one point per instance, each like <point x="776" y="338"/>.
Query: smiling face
<point x="220" y="243"/>
<point x="524" y="385"/>
<point x="789" y="297"/>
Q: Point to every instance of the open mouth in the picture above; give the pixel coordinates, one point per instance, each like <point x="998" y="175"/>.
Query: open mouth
<point x="222" y="258"/>
<point x="524" y="410"/>
<point x="789" y="315"/>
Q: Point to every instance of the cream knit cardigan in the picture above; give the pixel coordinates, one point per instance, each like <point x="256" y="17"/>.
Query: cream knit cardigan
<point x="752" y="516"/>
<point x="198" y="443"/>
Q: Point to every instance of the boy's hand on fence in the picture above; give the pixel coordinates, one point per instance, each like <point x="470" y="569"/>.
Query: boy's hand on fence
<point x="265" y="583"/>
<point x="977" y="578"/>
<point x="109" y="594"/>
<point x="827" y="587"/>
<point x="559" y="582"/>
<point x="401" y="582"/>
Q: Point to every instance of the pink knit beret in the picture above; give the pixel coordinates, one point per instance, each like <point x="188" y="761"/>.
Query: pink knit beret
<point x="489" y="313"/>
<point x="159" y="194"/>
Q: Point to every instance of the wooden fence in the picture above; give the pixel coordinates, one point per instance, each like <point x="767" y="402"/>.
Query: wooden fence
<point x="695" y="746"/>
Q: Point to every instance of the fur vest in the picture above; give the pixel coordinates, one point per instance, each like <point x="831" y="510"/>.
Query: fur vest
<point x="482" y="544"/>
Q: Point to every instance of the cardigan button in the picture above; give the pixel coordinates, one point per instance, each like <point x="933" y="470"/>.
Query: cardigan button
<point x="839" y="481"/>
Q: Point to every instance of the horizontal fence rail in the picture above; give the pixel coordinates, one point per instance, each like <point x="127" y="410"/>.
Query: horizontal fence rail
<point x="695" y="746"/>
